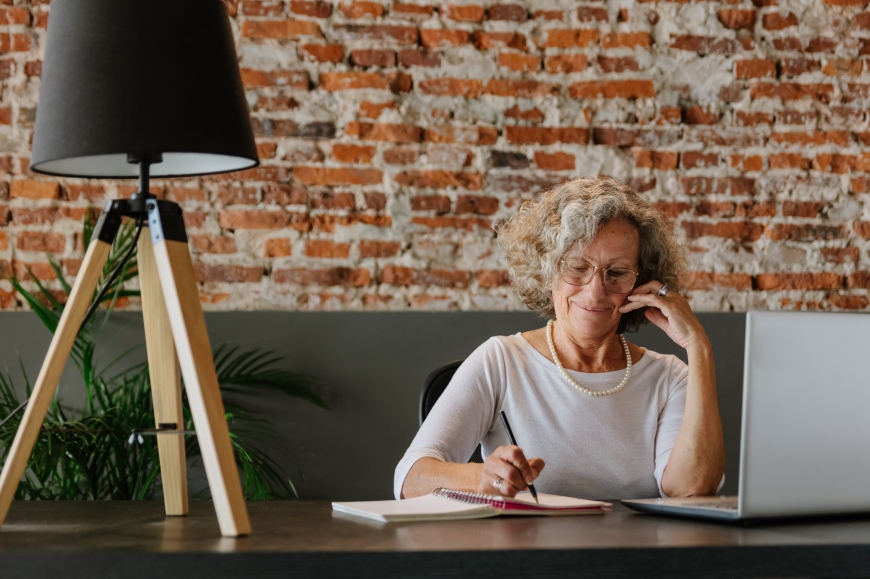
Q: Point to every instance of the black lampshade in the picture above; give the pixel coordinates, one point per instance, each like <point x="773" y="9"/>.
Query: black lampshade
<point x="141" y="77"/>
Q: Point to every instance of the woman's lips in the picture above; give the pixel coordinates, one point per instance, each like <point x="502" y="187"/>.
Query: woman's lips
<point x="592" y="309"/>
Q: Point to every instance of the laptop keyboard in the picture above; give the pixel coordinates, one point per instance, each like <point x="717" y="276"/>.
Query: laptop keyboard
<point x="725" y="504"/>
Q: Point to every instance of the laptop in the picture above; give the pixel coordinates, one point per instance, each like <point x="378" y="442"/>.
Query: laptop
<point x="805" y="438"/>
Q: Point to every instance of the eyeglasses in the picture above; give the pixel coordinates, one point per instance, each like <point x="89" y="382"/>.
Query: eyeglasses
<point x="616" y="279"/>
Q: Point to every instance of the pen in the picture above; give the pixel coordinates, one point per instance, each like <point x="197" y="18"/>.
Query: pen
<point x="513" y="440"/>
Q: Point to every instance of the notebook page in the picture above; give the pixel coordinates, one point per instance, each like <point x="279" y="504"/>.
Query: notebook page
<point x="425" y="508"/>
<point x="553" y="501"/>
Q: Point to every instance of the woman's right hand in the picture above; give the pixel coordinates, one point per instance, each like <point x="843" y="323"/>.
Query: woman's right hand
<point x="507" y="466"/>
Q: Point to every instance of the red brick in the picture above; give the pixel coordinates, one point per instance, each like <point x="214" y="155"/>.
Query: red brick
<point x="406" y="35"/>
<point x="519" y="62"/>
<point x="375" y="201"/>
<point x="737" y="19"/>
<point x="664" y="160"/>
<point x="395" y="275"/>
<point x="471" y="135"/>
<point x="335" y="276"/>
<point x="565" y="63"/>
<point x="672" y="209"/>
<point x="40" y="241"/>
<point x="323" y="248"/>
<point x="33" y="68"/>
<point x="372" y="110"/>
<point x="488" y="40"/>
<point x="94" y="193"/>
<point x="280" y="29"/>
<point x="321" y="53"/>
<point x="613" y="64"/>
<point x="779" y="21"/>
<point x="296" y="79"/>
<point x="437" y="203"/>
<point x="41" y="271"/>
<point x="41" y="215"/>
<point x="797" y="66"/>
<point x="328" y="223"/>
<point x="443" y="38"/>
<point x="699" y="160"/>
<point x="315" y="9"/>
<point x="788" y="161"/>
<point x="377" y="249"/>
<point x="751" y="119"/>
<point x="412" y="57"/>
<point x="277" y="247"/>
<point x="739" y="231"/>
<point x="284" y="194"/>
<point x="14" y="15"/>
<point x="802" y="208"/>
<point x="401" y="156"/>
<point x="520" y="88"/>
<point x="382" y="58"/>
<point x="480" y="204"/>
<point x="840" y="255"/>
<point x="546" y="136"/>
<point x="834" y="163"/>
<point x="468" y="88"/>
<point x="332" y="200"/>
<point x="805" y="232"/>
<point x="858" y="279"/>
<point x="14" y="42"/>
<point x="718" y="209"/>
<point x="439" y="179"/>
<point x="799" y="281"/>
<point x="384" y="132"/>
<point x="718" y="186"/>
<point x="256" y="8"/>
<point x="697" y="115"/>
<point x="633" y="88"/>
<point x="566" y="38"/>
<point x="411" y="11"/>
<point x="592" y="14"/>
<point x="238" y="219"/>
<point x="555" y="161"/>
<point x="626" y="40"/>
<point x="344" y="153"/>
<point x="357" y="10"/>
<point x="511" y="12"/>
<point x="464" y="13"/>
<point x="849" y="302"/>
<point x="549" y="14"/>
<point x="809" y="138"/>
<point x="337" y="176"/>
<point x="213" y="244"/>
<point x="34" y="189"/>
<point x="335" y="81"/>
<point x="843" y="66"/>
<point x="448" y="222"/>
<point x="234" y="195"/>
<point x="821" y="45"/>
<point x="705" y="44"/>
<point x="756" y="68"/>
<point x="705" y="280"/>
<point x="194" y="219"/>
<point x="267" y="150"/>
<point x="493" y="278"/>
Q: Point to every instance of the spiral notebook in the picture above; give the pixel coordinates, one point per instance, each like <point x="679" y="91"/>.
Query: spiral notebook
<point x="446" y="504"/>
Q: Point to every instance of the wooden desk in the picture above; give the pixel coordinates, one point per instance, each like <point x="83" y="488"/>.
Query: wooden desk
<point x="93" y="540"/>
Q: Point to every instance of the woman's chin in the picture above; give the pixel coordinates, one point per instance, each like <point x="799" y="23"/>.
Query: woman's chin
<point x="590" y="323"/>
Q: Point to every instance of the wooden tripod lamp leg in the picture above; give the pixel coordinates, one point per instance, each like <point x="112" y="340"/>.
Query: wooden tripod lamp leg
<point x="52" y="367"/>
<point x="200" y="382"/>
<point x="165" y="381"/>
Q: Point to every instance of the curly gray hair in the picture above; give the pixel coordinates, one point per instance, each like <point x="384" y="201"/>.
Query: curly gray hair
<point x="564" y="219"/>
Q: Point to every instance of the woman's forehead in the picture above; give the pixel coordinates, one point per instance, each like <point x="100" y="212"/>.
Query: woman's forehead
<point x="614" y="242"/>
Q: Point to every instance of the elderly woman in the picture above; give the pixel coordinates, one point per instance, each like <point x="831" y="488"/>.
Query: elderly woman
<point x="597" y="417"/>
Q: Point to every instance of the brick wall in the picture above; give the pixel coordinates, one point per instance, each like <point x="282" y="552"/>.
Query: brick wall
<point x="393" y="135"/>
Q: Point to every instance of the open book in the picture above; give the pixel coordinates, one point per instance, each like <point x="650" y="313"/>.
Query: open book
<point x="446" y="504"/>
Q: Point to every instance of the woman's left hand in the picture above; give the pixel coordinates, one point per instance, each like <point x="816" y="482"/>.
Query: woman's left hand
<point x="670" y="312"/>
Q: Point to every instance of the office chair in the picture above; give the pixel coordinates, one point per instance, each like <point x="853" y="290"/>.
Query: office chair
<point x="433" y="387"/>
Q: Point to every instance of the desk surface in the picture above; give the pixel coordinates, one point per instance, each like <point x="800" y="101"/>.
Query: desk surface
<point x="94" y="539"/>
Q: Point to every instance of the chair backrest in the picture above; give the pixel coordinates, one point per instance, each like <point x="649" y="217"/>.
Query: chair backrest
<point x="433" y="387"/>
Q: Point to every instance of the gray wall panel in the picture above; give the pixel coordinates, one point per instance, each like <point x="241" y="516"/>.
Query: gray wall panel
<point x="372" y="365"/>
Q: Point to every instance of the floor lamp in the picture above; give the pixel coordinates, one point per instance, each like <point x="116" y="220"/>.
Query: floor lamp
<point x="144" y="88"/>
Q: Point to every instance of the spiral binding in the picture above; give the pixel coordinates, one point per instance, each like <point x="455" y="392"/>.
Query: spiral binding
<point x="471" y="498"/>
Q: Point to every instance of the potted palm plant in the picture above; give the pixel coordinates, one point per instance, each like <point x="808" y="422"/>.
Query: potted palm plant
<point x="87" y="452"/>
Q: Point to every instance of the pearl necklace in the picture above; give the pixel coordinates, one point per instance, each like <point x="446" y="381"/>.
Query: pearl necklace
<point x="573" y="382"/>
